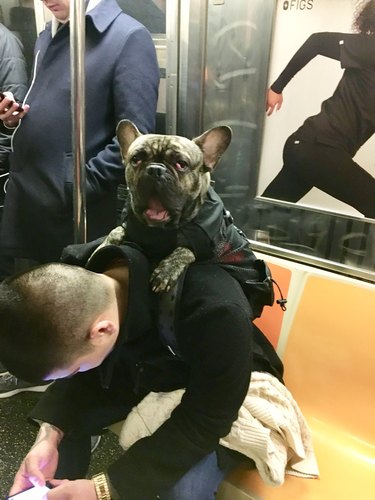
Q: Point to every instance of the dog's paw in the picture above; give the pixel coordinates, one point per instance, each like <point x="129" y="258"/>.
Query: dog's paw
<point x="115" y="237"/>
<point x="165" y="276"/>
<point x="163" y="279"/>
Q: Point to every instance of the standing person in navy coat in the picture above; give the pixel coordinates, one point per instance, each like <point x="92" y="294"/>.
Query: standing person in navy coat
<point x="122" y="78"/>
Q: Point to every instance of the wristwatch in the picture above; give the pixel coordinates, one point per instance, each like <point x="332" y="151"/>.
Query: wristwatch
<point x="101" y="486"/>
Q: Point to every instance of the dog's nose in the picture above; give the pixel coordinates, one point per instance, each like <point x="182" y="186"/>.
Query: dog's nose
<point x="156" y="169"/>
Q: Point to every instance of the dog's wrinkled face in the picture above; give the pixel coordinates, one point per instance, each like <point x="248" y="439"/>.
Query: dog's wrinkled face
<point x="165" y="178"/>
<point x="168" y="176"/>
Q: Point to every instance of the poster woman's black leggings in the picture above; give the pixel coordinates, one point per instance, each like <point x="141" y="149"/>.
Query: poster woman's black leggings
<point x="308" y="165"/>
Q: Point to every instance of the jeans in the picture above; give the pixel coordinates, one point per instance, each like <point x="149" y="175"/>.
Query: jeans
<point x="201" y="482"/>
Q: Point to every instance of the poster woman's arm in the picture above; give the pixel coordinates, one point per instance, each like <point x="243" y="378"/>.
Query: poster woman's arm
<point x="274" y="101"/>
<point x="325" y="44"/>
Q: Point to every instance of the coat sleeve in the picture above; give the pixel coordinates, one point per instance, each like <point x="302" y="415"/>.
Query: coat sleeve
<point x="13" y="78"/>
<point x="13" y="67"/>
<point x="68" y="403"/>
<point x="135" y="89"/>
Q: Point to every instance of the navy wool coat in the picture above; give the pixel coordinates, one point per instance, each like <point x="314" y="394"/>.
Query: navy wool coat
<point x="122" y="78"/>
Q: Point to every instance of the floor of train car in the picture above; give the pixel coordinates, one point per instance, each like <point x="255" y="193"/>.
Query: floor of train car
<point x="17" y="435"/>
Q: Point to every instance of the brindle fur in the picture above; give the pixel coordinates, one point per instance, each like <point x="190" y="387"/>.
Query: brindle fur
<point x="182" y="192"/>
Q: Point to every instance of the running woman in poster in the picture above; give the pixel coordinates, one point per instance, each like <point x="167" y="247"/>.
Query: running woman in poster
<point x="320" y="153"/>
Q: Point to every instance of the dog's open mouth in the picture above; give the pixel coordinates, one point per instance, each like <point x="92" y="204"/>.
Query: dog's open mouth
<point x="156" y="213"/>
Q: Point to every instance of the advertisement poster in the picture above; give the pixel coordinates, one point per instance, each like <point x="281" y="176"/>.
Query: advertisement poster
<point x="303" y="95"/>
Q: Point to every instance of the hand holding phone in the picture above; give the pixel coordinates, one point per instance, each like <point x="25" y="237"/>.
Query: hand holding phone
<point x="33" y="493"/>
<point x="20" y="108"/>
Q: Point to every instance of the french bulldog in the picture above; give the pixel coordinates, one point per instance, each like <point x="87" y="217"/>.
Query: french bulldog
<point x="172" y="213"/>
<point x="167" y="178"/>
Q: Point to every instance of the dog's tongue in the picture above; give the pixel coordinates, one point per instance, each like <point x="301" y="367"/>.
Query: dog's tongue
<point x="155" y="210"/>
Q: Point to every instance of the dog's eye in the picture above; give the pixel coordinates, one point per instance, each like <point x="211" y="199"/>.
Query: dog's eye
<point x="137" y="159"/>
<point x="180" y="165"/>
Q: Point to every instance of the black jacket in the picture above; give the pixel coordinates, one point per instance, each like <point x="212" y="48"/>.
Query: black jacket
<point x="219" y="348"/>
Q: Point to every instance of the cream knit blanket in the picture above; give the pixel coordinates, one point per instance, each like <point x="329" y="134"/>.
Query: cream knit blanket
<point x="270" y="428"/>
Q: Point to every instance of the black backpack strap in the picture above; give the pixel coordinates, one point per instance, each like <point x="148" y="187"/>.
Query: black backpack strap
<point x="167" y="312"/>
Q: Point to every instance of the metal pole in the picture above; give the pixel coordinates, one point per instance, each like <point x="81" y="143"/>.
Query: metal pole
<point x="77" y="71"/>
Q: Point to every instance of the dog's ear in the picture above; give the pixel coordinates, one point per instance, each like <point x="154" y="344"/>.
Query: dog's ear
<point x="213" y="144"/>
<point x="126" y="133"/>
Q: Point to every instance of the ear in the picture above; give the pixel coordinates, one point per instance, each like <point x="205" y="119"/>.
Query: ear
<point x="126" y="132"/>
<point x="213" y="144"/>
<point x="101" y="329"/>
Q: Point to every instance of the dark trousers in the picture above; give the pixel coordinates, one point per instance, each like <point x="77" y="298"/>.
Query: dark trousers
<point x="307" y="165"/>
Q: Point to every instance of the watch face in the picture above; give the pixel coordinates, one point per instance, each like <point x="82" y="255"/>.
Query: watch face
<point x="33" y="493"/>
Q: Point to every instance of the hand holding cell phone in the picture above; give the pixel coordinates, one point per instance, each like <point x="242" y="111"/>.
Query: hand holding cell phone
<point x="11" y="111"/>
<point x="3" y="96"/>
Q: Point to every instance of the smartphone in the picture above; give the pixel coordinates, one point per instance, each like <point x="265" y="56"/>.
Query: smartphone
<point x="33" y="493"/>
<point x="2" y="96"/>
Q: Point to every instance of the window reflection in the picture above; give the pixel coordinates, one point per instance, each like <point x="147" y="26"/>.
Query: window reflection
<point x="340" y="239"/>
<point x="151" y="13"/>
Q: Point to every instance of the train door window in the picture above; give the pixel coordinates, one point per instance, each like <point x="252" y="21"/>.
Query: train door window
<point x="152" y="14"/>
